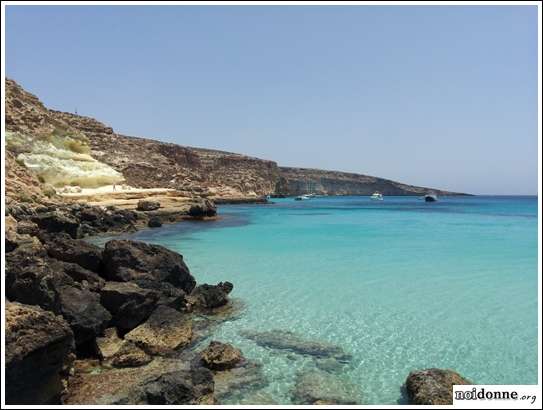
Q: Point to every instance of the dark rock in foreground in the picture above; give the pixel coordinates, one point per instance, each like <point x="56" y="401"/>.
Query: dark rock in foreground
<point x="132" y="260"/>
<point x="38" y="354"/>
<point x="286" y="340"/>
<point x="220" y="356"/>
<point x="432" y="386"/>
<point x="56" y="221"/>
<point x="77" y="251"/>
<point x="180" y="387"/>
<point x="129" y="304"/>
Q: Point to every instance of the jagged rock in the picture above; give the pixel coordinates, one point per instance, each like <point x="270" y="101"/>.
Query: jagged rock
<point x="432" y="386"/>
<point x="131" y="260"/>
<point x="129" y="304"/>
<point x="108" y="344"/>
<point x="220" y="356"/>
<point x="38" y="355"/>
<point x="87" y="278"/>
<point x="154" y="222"/>
<point x="35" y="279"/>
<point x="180" y="387"/>
<point x="66" y="249"/>
<point x="169" y="295"/>
<point x="205" y="297"/>
<point x="314" y="387"/>
<point x="146" y="205"/>
<point x="57" y="222"/>
<point x="15" y="235"/>
<point x="130" y="355"/>
<point x="87" y="317"/>
<point x="25" y="227"/>
<point x="286" y="340"/>
<point x="166" y="331"/>
<point x="202" y="209"/>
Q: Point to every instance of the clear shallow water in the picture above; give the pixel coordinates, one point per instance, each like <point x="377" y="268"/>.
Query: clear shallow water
<point x="399" y="284"/>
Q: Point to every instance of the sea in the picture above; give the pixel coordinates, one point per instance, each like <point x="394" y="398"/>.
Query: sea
<point x="398" y="284"/>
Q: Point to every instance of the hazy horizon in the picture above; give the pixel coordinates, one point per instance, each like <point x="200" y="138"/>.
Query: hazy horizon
<point x="436" y="96"/>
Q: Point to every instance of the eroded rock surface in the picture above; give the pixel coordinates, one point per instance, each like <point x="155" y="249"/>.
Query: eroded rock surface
<point x="315" y="387"/>
<point x="433" y="386"/>
<point x="220" y="356"/>
<point x="166" y="331"/>
<point x="38" y="354"/>
<point x="126" y="260"/>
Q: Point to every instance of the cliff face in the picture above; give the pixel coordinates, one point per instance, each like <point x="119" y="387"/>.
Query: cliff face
<point x="61" y="148"/>
<point x="298" y="181"/>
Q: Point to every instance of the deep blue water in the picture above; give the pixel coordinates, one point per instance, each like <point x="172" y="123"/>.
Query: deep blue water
<point x="400" y="284"/>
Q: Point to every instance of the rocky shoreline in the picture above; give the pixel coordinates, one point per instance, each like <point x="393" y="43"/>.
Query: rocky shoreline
<point x="126" y="324"/>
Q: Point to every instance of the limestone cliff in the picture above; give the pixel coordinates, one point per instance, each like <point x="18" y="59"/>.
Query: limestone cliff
<point x="298" y="181"/>
<point x="61" y="148"/>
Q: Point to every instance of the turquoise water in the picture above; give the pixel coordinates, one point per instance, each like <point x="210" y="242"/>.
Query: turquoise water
<point x="399" y="284"/>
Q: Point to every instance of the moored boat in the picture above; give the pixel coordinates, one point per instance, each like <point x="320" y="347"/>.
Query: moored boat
<point x="377" y="196"/>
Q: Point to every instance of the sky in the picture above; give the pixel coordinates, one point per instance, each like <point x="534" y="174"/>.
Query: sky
<point x="438" y="96"/>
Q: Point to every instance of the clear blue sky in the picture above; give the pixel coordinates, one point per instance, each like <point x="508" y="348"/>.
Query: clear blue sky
<point x="437" y="96"/>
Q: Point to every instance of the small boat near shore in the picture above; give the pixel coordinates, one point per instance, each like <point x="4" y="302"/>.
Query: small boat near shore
<point x="376" y="196"/>
<point x="302" y="197"/>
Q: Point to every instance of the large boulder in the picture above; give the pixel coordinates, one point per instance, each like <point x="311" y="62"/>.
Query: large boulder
<point x="169" y="295"/>
<point x="64" y="248"/>
<point x="126" y="261"/>
<point x="87" y="317"/>
<point x="166" y="331"/>
<point x="146" y="205"/>
<point x="314" y="387"/>
<point x="57" y="221"/>
<point x="129" y="304"/>
<point x="204" y="208"/>
<point x="38" y="355"/>
<point x="220" y="356"/>
<point x="207" y="297"/>
<point x="433" y="386"/>
<point x="35" y="279"/>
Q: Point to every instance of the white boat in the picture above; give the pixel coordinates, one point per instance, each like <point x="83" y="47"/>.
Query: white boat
<point x="377" y="196"/>
<point x="302" y="197"/>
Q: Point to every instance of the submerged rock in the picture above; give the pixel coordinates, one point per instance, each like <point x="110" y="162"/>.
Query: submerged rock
<point x="205" y="297"/>
<point x="126" y="260"/>
<point x="432" y="386"/>
<point x="38" y="354"/>
<point x="166" y="331"/>
<point x="238" y="381"/>
<point x="314" y="387"/>
<point x="286" y="340"/>
<point x="220" y="356"/>
<point x="129" y="304"/>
